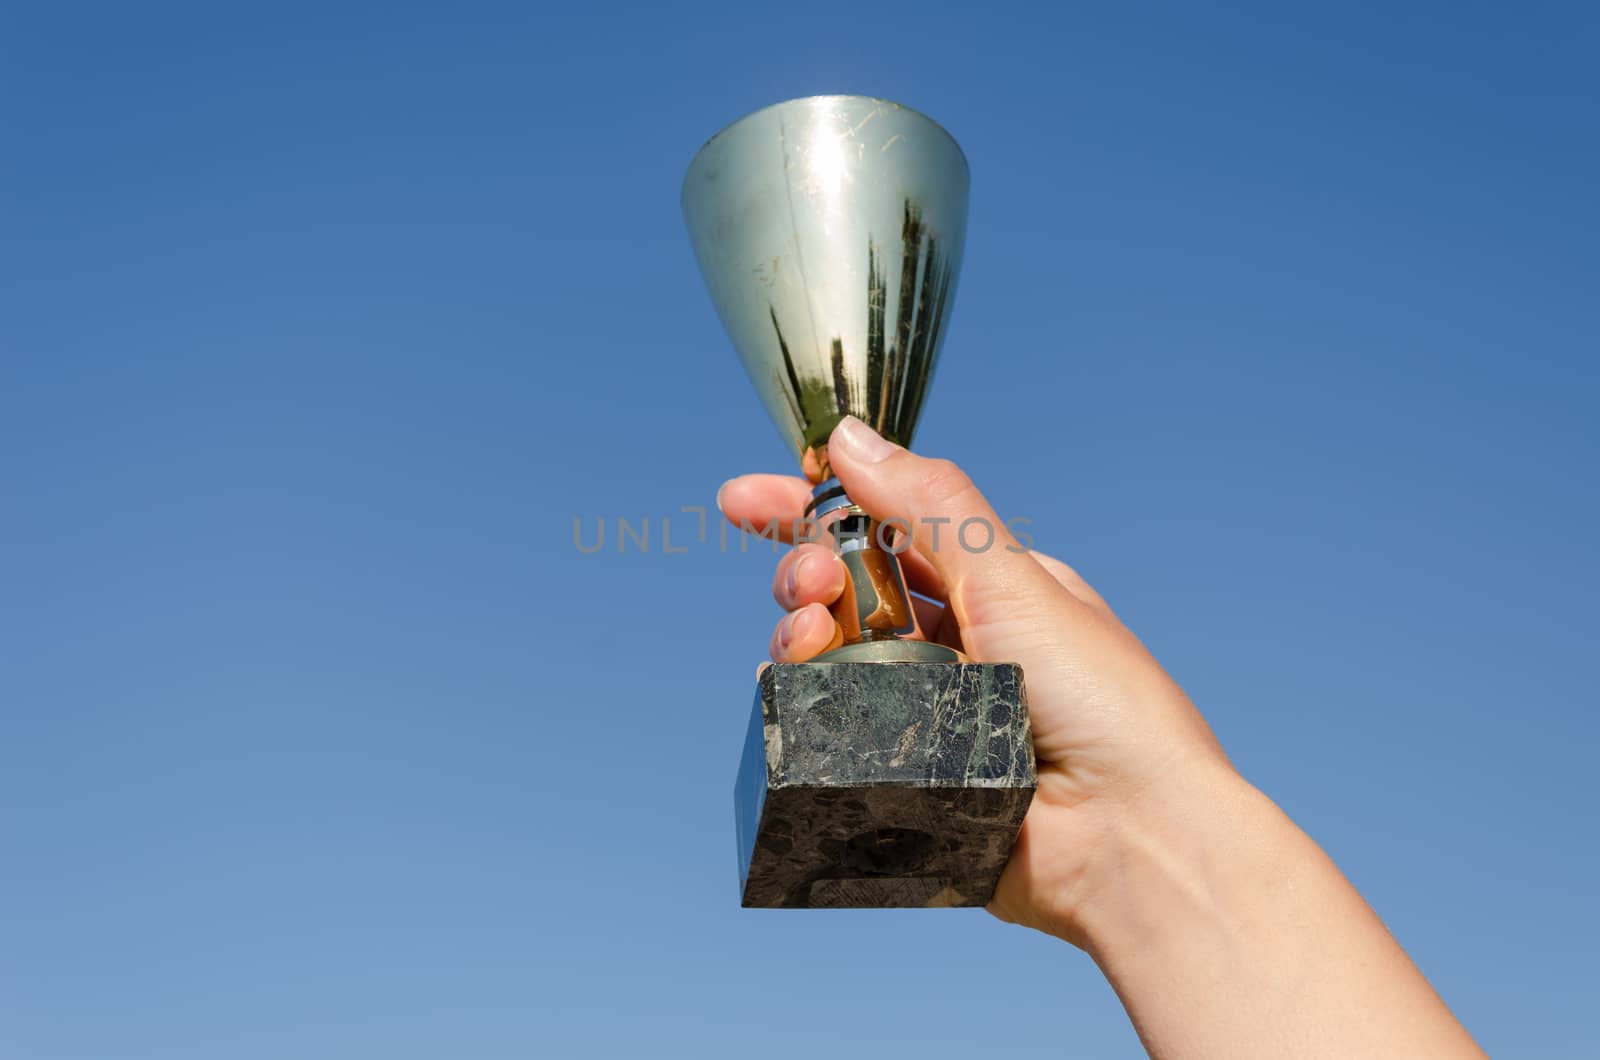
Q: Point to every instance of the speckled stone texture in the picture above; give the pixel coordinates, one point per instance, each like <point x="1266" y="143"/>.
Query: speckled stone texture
<point x="872" y="784"/>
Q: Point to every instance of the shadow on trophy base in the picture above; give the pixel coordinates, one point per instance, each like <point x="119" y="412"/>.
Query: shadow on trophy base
<point x="872" y="784"/>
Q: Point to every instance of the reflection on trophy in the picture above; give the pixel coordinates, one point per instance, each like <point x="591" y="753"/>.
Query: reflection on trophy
<point x="889" y="771"/>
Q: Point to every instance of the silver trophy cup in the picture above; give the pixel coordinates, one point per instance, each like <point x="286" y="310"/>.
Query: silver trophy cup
<point x="890" y="771"/>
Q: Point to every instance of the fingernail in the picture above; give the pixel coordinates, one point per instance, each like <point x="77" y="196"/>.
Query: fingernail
<point x="786" y="631"/>
<point x="861" y="442"/>
<point x="791" y="583"/>
<point x="720" y="490"/>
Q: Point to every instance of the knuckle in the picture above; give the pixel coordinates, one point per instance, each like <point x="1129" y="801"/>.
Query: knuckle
<point x="943" y="481"/>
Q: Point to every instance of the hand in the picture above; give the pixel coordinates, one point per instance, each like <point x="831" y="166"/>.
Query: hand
<point x="1108" y="723"/>
<point x="1224" y="929"/>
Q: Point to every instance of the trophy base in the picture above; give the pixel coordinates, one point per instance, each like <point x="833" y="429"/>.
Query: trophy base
<point x="882" y="784"/>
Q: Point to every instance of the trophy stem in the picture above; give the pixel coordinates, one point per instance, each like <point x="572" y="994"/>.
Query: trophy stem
<point x="874" y="612"/>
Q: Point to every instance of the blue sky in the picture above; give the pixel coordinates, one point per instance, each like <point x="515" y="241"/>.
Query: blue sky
<point x="319" y="324"/>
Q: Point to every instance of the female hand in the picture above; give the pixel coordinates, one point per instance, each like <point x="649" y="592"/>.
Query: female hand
<point x="1224" y="929"/>
<point x="1108" y="723"/>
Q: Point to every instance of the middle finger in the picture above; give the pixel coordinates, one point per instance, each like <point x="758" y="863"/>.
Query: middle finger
<point x="809" y="574"/>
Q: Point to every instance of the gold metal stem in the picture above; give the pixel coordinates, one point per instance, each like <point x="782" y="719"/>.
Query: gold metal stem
<point x="875" y="604"/>
<point x="874" y="612"/>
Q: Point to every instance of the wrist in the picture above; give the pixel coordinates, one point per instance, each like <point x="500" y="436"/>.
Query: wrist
<point x="1091" y="870"/>
<point x="1151" y="860"/>
<point x="1172" y="861"/>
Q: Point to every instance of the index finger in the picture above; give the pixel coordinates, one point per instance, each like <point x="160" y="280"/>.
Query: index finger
<point x="756" y="502"/>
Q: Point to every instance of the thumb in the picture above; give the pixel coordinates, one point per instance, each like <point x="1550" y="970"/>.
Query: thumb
<point x="991" y="580"/>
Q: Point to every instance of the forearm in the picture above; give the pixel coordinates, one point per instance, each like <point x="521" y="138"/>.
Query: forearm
<point x="1228" y="933"/>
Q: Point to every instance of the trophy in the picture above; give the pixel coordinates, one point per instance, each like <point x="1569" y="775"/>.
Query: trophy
<point x="889" y="771"/>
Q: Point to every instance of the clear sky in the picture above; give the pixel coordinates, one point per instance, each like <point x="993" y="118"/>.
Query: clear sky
<point x="320" y="323"/>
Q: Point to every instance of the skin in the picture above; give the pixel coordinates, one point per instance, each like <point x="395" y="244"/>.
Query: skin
<point x="1223" y="928"/>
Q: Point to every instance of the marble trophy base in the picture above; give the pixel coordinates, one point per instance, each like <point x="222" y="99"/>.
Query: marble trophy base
<point x="874" y="784"/>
